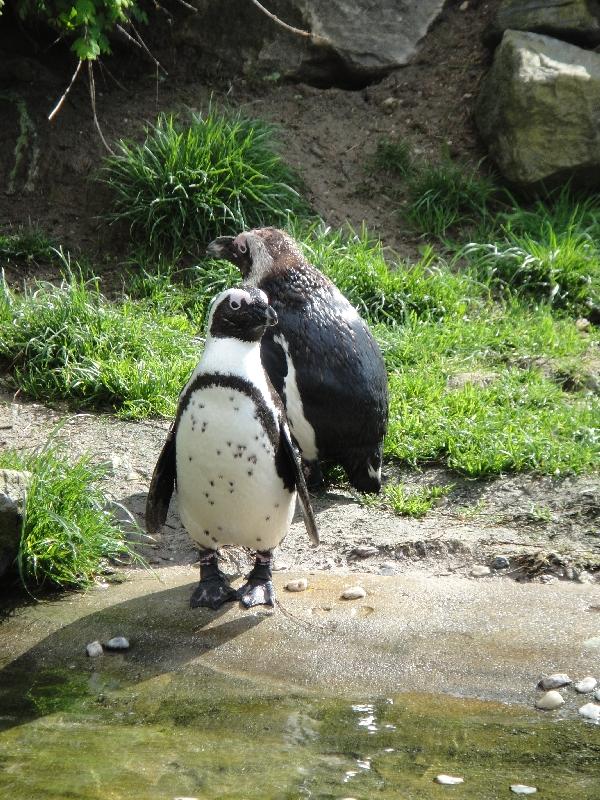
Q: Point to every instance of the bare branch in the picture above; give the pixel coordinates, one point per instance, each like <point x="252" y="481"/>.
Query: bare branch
<point x="93" y="102"/>
<point x="58" y="106"/>
<point x="315" y="39"/>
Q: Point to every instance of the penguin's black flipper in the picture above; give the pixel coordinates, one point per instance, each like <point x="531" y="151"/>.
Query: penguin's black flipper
<point x="294" y="459"/>
<point x="161" y="486"/>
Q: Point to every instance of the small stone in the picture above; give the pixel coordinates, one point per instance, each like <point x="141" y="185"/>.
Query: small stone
<point x="464" y="6"/>
<point x="387" y="569"/>
<point x="389" y="104"/>
<point x="480" y="571"/>
<point x="585" y="577"/>
<point x="590" y="711"/>
<point x="353" y="593"/>
<point x="94" y="649"/>
<point x="597" y="695"/>
<point x="593" y="643"/>
<point x="117" y="643"/>
<point x="300" y="585"/>
<point x="365" y="551"/>
<point x="500" y="562"/>
<point x="520" y="788"/>
<point x="549" y="701"/>
<point x="132" y="475"/>
<point x="554" y="681"/>
<point x="448" y="780"/>
<point x="585" y="685"/>
<point x="582" y="324"/>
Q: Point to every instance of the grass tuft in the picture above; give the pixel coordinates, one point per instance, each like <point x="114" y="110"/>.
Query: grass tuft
<point x="190" y="181"/>
<point x="394" y="156"/>
<point x="69" y="534"/>
<point x="406" y="503"/>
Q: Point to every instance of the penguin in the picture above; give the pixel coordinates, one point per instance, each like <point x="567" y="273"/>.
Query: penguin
<point x="229" y="452"/>
<point x="322" y="358"/>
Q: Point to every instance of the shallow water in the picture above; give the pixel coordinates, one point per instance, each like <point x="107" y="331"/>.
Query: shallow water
<point x="101" y="731"/>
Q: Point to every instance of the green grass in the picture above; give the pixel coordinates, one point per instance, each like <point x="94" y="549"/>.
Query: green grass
<point x="69" y="534"/>
<point x="404" y="502"/>
<point x="27" y="246"/>
<point x="194" y="179"/>
<point x="69" y="343"/>
<point x="395" y="156"/>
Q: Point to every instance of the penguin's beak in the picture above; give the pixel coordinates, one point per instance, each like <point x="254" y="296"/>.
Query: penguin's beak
<point x="220" y="247"/>
<point x="271" y="317"/>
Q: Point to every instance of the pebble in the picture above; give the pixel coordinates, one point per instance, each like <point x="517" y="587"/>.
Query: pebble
<point x="583" y="324"/>
<point x="387" y="569"/>
<point x="554" y="681"/>
<point x="597" y="695"/>
<point x="549" y="701"/>
<point x="520" y="788"/>
<point x="353" y="593"/>
<point x="94" y="649"/>
<point x="585" y="685"/>
<point x="590" y="711"/>
<point x="449" y="780"/>
<point x="500" y="562"/>
<point x="117" y="643"/>
<point x="365" y="551"/>
<point x="389" y="104"/>
<point x="299" y="585"/>
<point x="480" y="571"/>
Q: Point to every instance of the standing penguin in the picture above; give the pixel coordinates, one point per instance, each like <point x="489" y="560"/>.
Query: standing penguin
<point x="230" y="454"/>
<point x="322" y="358"/>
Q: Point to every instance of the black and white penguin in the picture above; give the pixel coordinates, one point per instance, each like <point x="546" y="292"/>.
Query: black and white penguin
<point x="321" y="358"/>
<point x="230" y="454"/>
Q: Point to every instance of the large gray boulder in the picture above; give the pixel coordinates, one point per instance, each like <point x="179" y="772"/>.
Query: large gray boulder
<point x="539" y="111"/>
<point x="13" y="490"/>
<point x="575" y="21"/>
<point x="354" y="41"/>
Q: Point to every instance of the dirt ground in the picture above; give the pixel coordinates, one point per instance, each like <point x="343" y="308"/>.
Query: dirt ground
<point x="329" y="136"/>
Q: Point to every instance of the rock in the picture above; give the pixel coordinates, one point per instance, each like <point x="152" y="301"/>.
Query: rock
<point x="597" y="695"/>
<point x="573" y="20"/>
<point x="585" y="685"/>
<point x="448" y="780"/>
<point x="387" y="568"/>
<point x="520" y="788"/>
<point x="364" y="551"/>
<point x="117" y="643"/>
<point x="538" y="111"/>
<point x="554" y="681"/>
<point x="480" y="571"/>
<point x="13" y="491"/>
<point x="389" y="104"/>
<point x="351" y="42"/>
<point x="583" y="324"/>
<point x="500" y="562"/>
<point x="353" y="593"/>
<point x="549" y="701"/>
<point x="593" y="643"/>
<point x="299" y="585"/>
<point x="590" y="711"/>
<point x="94" y="649"/>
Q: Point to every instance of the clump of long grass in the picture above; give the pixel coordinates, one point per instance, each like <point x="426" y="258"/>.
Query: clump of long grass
<point x="69" y="533"/>
<point x="195" y="178"/>
<point x="68" y="342"/>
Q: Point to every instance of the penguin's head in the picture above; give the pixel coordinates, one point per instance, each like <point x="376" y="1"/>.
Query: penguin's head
<point x="240" y="313"/>
<point x="256" y="253"/>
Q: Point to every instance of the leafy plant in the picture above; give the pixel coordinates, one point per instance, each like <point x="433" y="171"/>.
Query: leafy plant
<point x="69" y="534"/>
<point x="191" y="181"/>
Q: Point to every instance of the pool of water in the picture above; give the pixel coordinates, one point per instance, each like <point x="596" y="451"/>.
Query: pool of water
<point x="98" y="731"/>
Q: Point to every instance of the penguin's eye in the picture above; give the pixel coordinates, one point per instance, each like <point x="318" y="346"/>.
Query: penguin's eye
<point x="235" y="304"/>
<point x="242" y="247"/>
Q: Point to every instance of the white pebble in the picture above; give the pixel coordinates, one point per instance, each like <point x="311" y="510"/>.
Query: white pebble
<point x="299" y="585"/>
<point x="549" y="701"/>
<point x="590" y="711"/>
<point x="94" y="649"/>
<point x="597" y="695"/>
<point x="585" y="685"/>
<point x="480" y="571"/>
<point x="520" y="788"/>
<point x="117" y="643"/>
<point x="353" y="593"/>
<point x="554" y="681"/>
<point x="449" y="780"/>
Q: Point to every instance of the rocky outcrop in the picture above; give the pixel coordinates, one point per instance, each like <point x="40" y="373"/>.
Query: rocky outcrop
<point x="13" y="488"/>
<point x="539" y="111"/>
<point x="355" y="42"/>
<point x="575" y="21"/>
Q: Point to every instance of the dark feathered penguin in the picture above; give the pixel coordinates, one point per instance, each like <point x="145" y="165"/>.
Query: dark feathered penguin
<point x="230" y="454"/>
<point x="321" y="358"/>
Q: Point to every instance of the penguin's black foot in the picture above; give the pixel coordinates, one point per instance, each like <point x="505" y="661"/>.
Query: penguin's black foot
<point x="212" y="592"/>
<point x="257" y="593"/>
<point x="313" y="476"/>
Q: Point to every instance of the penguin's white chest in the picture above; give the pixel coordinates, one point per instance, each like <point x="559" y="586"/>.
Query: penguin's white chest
<point x="228" y="488"/>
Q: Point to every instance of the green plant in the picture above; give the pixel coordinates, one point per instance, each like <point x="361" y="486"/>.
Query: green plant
<point x="27" y="245"/>
<point x="444" y="195"/>
<point x="69" y="343"/>
<point x="69" y="533"/>
<point x="191" y="181"/>
<point x="407" y="503"/>
<point x="394" y="156"/>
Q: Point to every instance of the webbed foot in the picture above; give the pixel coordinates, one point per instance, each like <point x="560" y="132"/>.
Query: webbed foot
<point x="257" y="593"/>
<point x="214" y="589"/>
